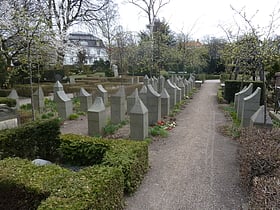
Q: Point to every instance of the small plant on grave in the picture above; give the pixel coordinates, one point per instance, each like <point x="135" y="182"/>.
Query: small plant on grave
<point x="158" y="130"/>
<point x="76" y="104"/>
<point x="73" y="116"/>
<point x="111" y="128"/>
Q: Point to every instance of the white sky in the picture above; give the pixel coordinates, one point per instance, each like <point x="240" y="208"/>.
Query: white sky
<point x="200" y="18"/>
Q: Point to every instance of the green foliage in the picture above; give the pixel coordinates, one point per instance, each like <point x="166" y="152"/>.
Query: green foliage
<point x="234" y="129"/>
<point x="73" y="116"/>
<point x="234" y="86"/>
<point x="112" y="128"/>
<point x="32" y="140"/>
<point x="52" y="187"/>
<point x="158" y="130"/>
<point x="8" y="101"/>
<point x="26" y="107"/>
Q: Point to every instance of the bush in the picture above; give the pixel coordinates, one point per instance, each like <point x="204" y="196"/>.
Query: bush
<point x="259" y="166"/>
<point x="32" y="140"/>
<point x="234" y="86"/>
<point x="52" y="187"/>
<point x="8" y="101"/>
<point x="130" y="156"/>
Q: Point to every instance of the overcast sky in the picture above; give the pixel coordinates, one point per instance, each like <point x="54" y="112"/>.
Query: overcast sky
<point x="199" y="17"/>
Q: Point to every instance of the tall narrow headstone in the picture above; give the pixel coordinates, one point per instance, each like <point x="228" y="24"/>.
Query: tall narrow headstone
<point x="64" y="105"/>
<point x="172" y="91"/>
<point x="181" y="85"/>
<point x="236" y="98"/>
<point x="118" y="106"/>
<point x="153" y="105"/>
<point x="38" y="99"/>
<point x="187" y="87"/>
<point x="85" y="100"/>
<point x="14" y="95"/>
<point x="143" y="94"/>
<point x="165" y="103"/>
<point x="146" y="80"/>
<point x="161" y="83"/>
<point x="251" y="104"/>
<point x="57" y="87"/>
<point x="243" y="94"/>
<point x="178" y="94"/>
<point x="96" y="117"/>
<point x="139" y="121"/>
<point x="132" y="99"/>
<point x="101" y="92"/>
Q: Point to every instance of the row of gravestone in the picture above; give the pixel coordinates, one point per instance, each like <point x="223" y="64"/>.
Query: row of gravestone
<point x="248" y="109"/>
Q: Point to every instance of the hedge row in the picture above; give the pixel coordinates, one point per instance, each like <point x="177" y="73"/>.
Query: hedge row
<point x="32" y="140"/>
<point x="53" y="187"/>
<point x="234" y="86"/>
<point x="8" y="101"/>
<point x="130" y="156"/>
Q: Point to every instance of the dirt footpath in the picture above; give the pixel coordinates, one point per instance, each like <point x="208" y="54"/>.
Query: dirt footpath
<point x="194" y="167"/>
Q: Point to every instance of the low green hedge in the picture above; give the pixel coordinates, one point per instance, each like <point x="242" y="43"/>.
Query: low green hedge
<point x="8" y="101"/>
<point x="234" y="86"/>
<point x="53" y="187"/>
<point x="32" y="140"/>
<point x="130" y="156"/>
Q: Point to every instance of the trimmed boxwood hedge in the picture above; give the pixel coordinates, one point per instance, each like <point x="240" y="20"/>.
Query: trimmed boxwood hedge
<point x="234" y="86"/>
<point x="53" y="187"/>
<point x="32" y="140"/>
<point x="130" y="156"/>
<point x="10" y="102"/>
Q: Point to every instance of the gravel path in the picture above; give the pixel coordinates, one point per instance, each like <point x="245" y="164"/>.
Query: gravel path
<point x="194" y="167"/>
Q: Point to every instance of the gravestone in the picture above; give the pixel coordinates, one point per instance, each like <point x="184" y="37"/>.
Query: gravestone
<point x="243" y="94"/>
<point x="64" y="105"/>
<point x="182" y="86"/>
<point x="118" y="106"/>
<point x="115" y="70"/>
<point x="178" y="94"/>
<point x="57" y="87"/>
<point x="153" y="105"/>
<point x="8" y="117"/>
<point x="132" y="99"/>
<point x="85" y="100"/>
<point x="187" y="87"/>
<point x="251" y="104"/>
<point x="38" y="99"/>
<point x="96" y="117"/>
<point x="257" y="119"/>
<point x="139" y="121"/>
<point x="171" y="89"/>
<point x="165" y="103"/>
<point x="13" y="94"/>
<point x="143" y="94"/>
<point x="236" y="98"/>
<point x="161" y="83"/>
<point x="146" y="80"/>
<point x="101" y="92"/>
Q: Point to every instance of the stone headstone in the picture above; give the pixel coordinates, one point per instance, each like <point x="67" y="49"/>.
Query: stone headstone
<point x="178" y="94"/>
<point x="165" y="103"/>
<point x="132" y="99"/>
<point x="101" y="92"/>
<point x="181" y="85"/>
<point x="118" y="106"/>
<point x="153" y="105"/>
<point x="172" y="91"/>
<point x="115" y="70"/>
<point x="14" y="95"/>
<point x="143" y="94"/>
<point x="139" y="123"/>
<point x="251" y="104"/>
<point x="85" y="100"/>
<point x="96" y="117"/>
<point x="38" y="99"/>
<point x="64" y="105"/>
<point x="146" y="80"/>
<point x="257" y="119"/>
<point x="241" y="95"/>
<point x="57" y="87"/>
<point x="161" y="83"/>
<point x="236" y="98"/>
<point x="187" y="87"/>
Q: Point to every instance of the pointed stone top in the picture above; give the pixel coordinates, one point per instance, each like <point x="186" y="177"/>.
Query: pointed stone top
<point x="120" y="92"/>
<point x="83" y="92"/>
<point x="152" y="91"/>
<point x="169" y="83"/>
<point x="58" y="84"/>
<point x="143" y="89"/>
<point x="258" y="118"/>
<point x="13" y="94"/>
<point x="164" y="94"/>
<point x="139" y="107"/>
<point x="146" y="77"/>
<point x="39" y="92"/>
<point x="97" y="105"/>
<point x="62" y="96"/>
<point x="134" y="94"/>
<point x="101" y="88"/>
<point x="249" y="89"/>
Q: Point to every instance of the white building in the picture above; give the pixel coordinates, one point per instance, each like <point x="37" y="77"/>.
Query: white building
<point x="92" y="46"/>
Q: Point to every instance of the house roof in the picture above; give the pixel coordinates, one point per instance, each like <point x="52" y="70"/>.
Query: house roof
<point x="92" y="41"/>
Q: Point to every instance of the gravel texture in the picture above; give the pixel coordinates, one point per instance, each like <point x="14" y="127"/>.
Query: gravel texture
<point x="195" y="167"/>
